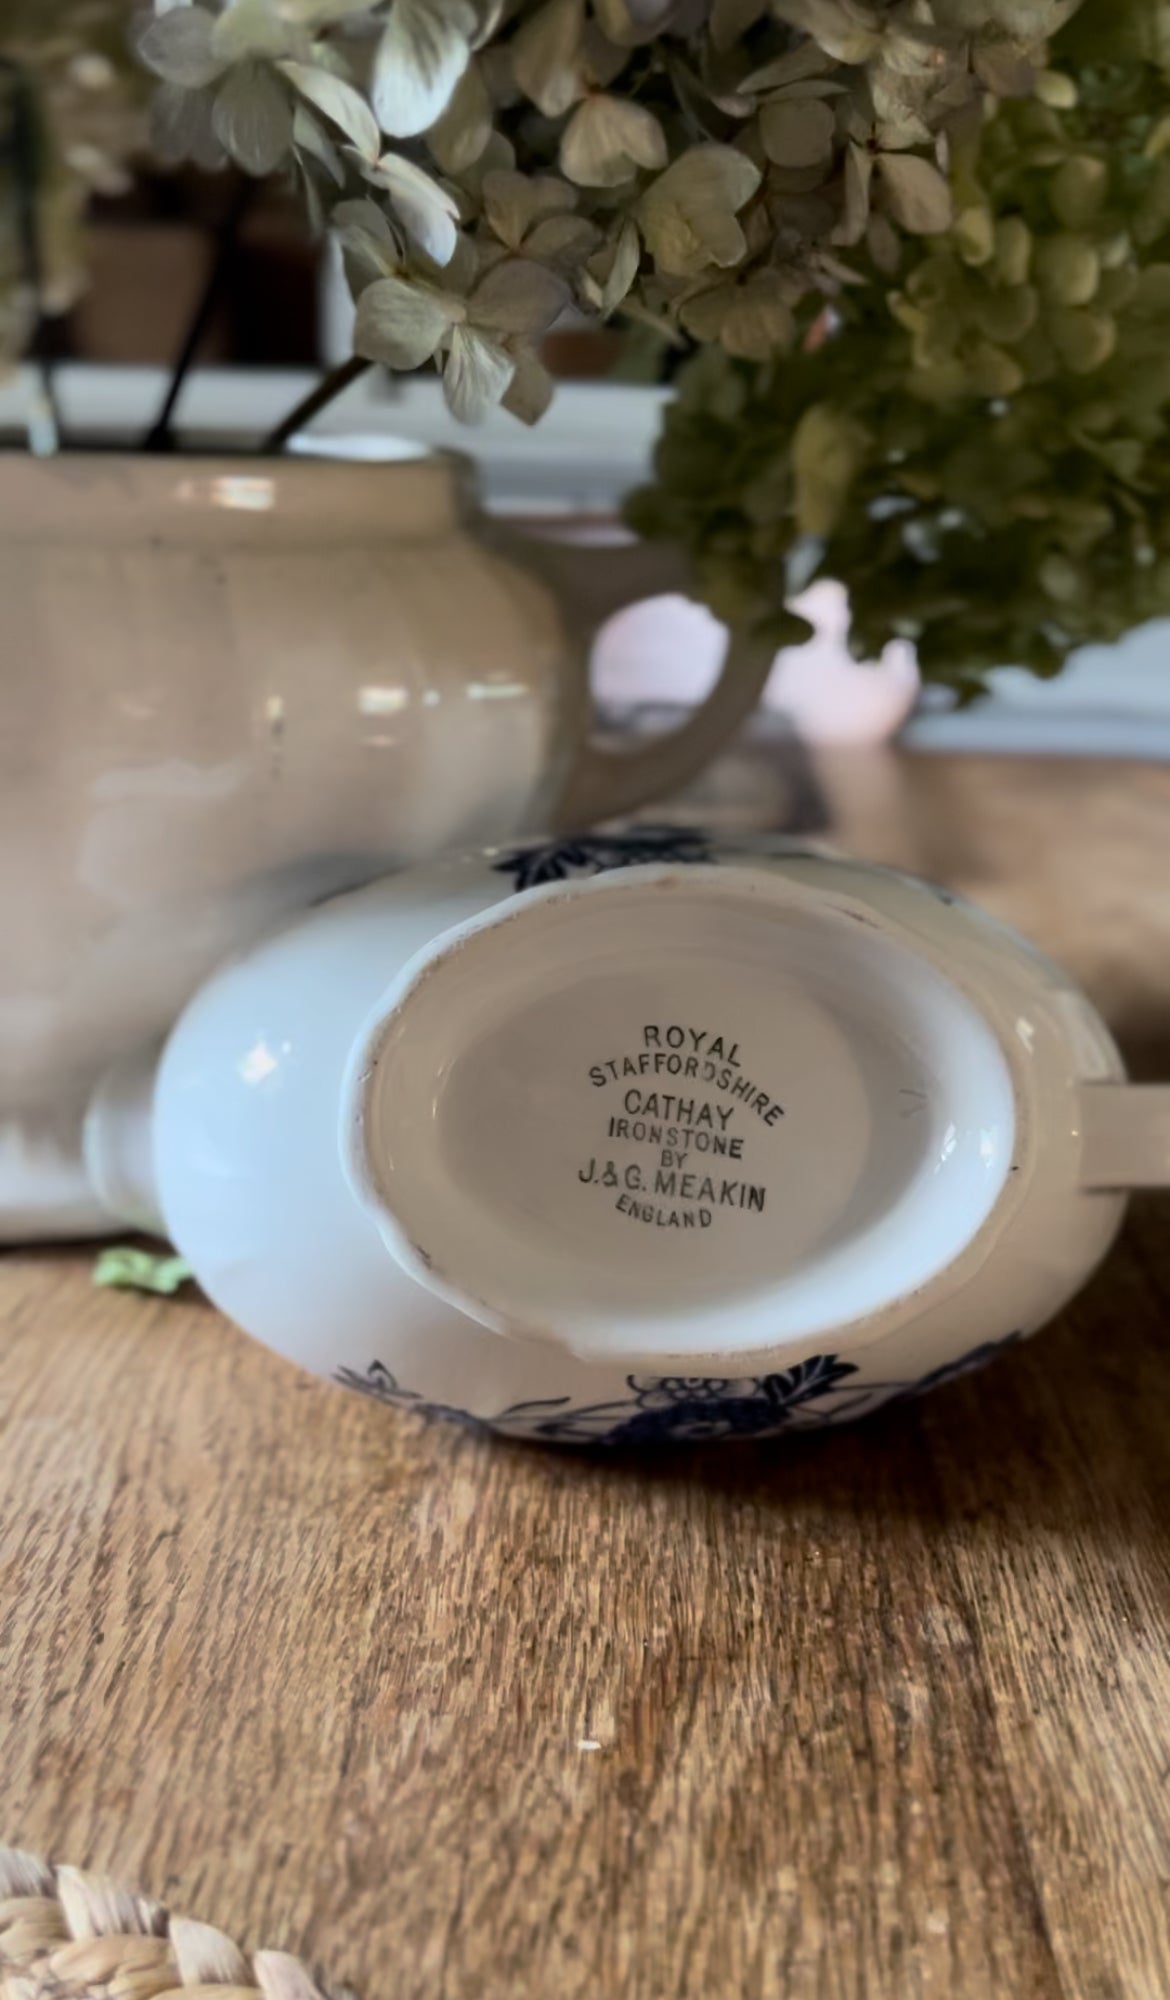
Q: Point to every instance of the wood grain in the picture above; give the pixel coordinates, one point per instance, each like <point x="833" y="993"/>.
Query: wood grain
<point x="882" y="1716"/>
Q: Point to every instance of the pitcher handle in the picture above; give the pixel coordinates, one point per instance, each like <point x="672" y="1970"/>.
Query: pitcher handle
<point x="592" y="582"/>
<point x="1125" y="1136"/>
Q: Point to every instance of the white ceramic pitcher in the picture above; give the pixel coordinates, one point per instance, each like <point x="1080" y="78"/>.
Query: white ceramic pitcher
<point x="229" y="687"/>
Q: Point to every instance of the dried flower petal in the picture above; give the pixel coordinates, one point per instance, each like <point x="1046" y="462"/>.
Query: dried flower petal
<point x="518" y="297"/>
<point x="992" y="371"/>
<point x="1003" y="66"/>
<point x="1085" y="341"/>
<point x="339" y="101"/>
<point x="1013" y="249"/>
<point x="309" y="141"/>
<point x="253" y="118"/>
<point x="828" y="449"/>
<point x="688" y="214"/>
<point x="1054" y="88"/>
<point x="477" y="375"/>
<point x="366" y="240"/>
<point x="427" y="212"/>
<point x="546" y="56"/>
<point x="884" y="245"/>
<point x="563" y="242"/>
<point x="631" y="23"/>
<point x="794" y="66"/>
<point x="1068" y="269"/>
<point x="758" y="323"/>
<point x="401" y="324"/>
<point x="512" y="202"/>
<point x="843" y="29"/>
<point x="607" y="139"/>
<point x="458" y="139"/>
<point x="797" y="132"/>
<point x="1078" y="190"/>
<point x="182" y="128"/>
<point x="858" y="180"/>
<point x="917" y="194"/>
<point x="256" y="28"/>
<point x="613" y="269"/>
<point x="974" y="236"/>
<point x="732" y="20"/>
<point x="704" y="312"/>
<point x="318" y="13"/>
<point x="177" y="47"/>
<point x="423" y="52"/>
<point x="530" y="391"/>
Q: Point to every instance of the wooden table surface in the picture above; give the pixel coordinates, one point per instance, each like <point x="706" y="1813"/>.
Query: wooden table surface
<point x="885" y="1713"/>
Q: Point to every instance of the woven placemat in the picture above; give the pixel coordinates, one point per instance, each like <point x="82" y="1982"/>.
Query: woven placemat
<point x="68" y="1935"/>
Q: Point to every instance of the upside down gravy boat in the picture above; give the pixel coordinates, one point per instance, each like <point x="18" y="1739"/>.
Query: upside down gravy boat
<point x="622" y="1140"/>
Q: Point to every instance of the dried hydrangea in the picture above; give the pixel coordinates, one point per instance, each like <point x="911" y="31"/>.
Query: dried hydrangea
<point x="982" y="454"/>
<point x="700" y="165"/>
<point x="84" y="99"/>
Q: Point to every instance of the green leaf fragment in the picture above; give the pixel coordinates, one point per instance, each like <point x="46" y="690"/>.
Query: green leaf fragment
<point x="128" y="1269"/>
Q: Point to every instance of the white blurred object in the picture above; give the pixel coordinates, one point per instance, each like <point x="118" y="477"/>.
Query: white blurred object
<point x="668" y="650"/>
<point x="830" y="696"/>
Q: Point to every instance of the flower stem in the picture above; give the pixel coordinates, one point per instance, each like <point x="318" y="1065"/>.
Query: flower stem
<point x="160" y="436"/>
<point x="318" y="399"/>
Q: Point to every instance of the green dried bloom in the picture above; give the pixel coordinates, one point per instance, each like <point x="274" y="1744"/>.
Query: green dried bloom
<point x="983" y="457"/>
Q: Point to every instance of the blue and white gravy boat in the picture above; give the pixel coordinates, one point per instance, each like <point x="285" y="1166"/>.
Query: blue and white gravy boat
<point x="624" y="1140"/>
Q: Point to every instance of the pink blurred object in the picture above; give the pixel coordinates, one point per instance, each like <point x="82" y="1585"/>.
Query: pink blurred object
<point x="668" y="650"/>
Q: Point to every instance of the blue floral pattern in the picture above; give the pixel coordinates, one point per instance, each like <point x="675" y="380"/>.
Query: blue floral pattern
<point x="538" y="862"/>
<point x="689" y="1409"/>
<point x="597" y="853"/>
<point x="695" y="1409"/>
<point x="950" y="1371"/>
<point x="378" y="1382"/>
